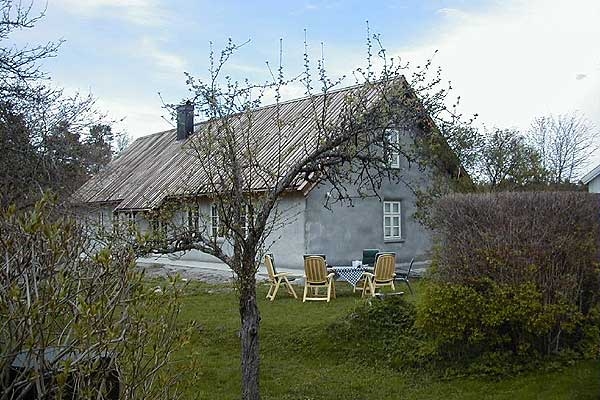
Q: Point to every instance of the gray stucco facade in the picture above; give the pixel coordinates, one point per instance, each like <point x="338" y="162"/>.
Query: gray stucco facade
<point x="344" y="231"/>
<point x="305" y="226"/>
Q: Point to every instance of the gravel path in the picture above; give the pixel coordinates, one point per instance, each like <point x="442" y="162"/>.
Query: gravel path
<point x="212" y="276"/>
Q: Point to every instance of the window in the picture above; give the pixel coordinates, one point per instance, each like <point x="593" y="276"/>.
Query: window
<point x="192" y="219"/>
<point x="392" y="217"/>
<point x="245" y="220"/>
<point x="131" y="219"/>
<point x="393" y="145"/>
<point x="158" y="226"/>
<point x="217" y="227"/>
<point x="155" y="225"/>
<point x="115" y="222"/>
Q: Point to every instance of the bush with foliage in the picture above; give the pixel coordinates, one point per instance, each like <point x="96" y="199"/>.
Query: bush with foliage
<point x="516" y="277"/>
<point x="384" y="330"/>
<point x="92" y="309"/>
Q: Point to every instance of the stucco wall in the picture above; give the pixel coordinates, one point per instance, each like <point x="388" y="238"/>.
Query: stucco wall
<point x="286" y="241"/>
<point x="343" y="232"/>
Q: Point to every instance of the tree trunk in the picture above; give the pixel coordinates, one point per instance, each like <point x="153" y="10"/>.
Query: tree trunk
<point x="249" y="334"/>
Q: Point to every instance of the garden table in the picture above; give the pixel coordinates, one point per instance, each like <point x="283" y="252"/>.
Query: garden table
<point x="348" y="273"/>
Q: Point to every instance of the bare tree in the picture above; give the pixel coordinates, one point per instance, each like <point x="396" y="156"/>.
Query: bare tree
<point x="20" y="67"/>
<point x="565" y="143"/>
<point x="247" y="158"/>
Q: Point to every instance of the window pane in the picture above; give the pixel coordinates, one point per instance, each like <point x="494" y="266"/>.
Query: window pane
<point x="387" y="221"/>
<point x="386" y="207"/>
<point x="395" y="207"/>
<point x="396" y="231"/>
<point x="387" y="231"/>
<point x="396" y="221"/>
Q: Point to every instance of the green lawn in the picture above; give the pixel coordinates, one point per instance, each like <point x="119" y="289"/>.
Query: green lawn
<point x="298" y="361"/>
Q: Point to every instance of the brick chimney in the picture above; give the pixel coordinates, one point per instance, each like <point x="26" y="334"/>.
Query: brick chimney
<point x="185" y="120"/>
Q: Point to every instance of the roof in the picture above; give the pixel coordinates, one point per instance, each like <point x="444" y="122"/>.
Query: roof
<point x="157" y="166"/>
<point x="587" y="178"/>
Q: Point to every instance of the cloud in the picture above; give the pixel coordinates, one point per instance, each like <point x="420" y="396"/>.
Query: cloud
<point x="167" y="63"/>
<point x="138" y="117"/>
<point x="514" y="62"/>
<point x="139" y="12"/>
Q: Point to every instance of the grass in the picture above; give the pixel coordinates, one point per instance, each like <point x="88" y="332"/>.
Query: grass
<point x="299" y="361"/>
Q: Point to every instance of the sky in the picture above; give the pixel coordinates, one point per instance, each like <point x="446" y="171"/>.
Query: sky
<point x="510" y="61"/>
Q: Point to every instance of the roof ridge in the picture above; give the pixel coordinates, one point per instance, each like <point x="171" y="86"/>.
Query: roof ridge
<point x="266" y="106"/>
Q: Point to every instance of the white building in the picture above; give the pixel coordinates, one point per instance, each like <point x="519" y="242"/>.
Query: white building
<point x="592" y="180"/>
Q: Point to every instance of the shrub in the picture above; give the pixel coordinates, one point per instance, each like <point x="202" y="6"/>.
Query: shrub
<point x="515" y="273"/>
<point x="383" y="331"/>
<point x="56" y="295"/>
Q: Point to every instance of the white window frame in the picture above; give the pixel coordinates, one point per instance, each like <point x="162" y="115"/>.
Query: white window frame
<point x="214" y="220"/>
<point x="392" y="211"/>
<point x="393" y="137"/>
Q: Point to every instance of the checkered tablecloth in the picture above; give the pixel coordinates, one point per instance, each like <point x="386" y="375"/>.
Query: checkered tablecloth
<point x="349" y="274"/>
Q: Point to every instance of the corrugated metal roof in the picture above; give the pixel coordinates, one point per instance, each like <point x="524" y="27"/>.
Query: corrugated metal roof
<point x="587" y="178"/>
<point x="158" y="166"/>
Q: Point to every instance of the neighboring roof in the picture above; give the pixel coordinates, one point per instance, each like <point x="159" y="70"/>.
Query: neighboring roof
<point x="587" y="178"/>
<point x="157" y="166"/>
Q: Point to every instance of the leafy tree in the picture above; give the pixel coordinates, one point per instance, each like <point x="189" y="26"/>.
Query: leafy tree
<point x="507" y="161"/>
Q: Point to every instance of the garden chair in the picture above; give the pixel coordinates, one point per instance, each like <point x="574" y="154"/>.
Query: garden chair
<point x="404" y="276"/>
<point x="369" y="256"/>
<point x="317" y="255"/>
<point x="368" y="259"/>
<point x="383" y="275"/>
<point x="277" y="279"/>
<point x="316" y="277"/>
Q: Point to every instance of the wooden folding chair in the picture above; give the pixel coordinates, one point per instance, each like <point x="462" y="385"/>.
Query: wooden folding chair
<point x="276" y="279"/>
<point x="316" y="277"/>
<point x="383" y="275"/>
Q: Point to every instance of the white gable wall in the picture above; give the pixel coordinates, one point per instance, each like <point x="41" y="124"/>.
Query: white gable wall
<point x="594" y="185"/>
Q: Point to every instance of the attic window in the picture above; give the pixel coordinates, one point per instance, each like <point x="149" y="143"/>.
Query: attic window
<point x="392" y="149"/>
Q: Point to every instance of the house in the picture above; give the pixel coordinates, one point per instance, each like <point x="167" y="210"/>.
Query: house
<point x="159" y="171"/>
<point x="592" y="180"/>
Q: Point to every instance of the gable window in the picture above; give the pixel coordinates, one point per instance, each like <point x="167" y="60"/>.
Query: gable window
<point x="392" y="217"/>
<point x="393" y="145"/>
